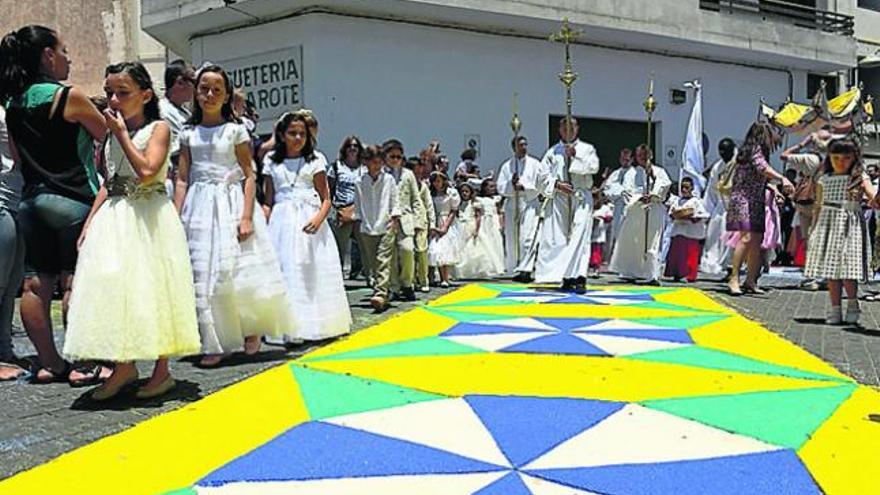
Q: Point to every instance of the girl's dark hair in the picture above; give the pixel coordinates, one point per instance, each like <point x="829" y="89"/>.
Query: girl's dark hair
<point x="279" y="152"/>
<point x="138" y="73"/>
<point x="467" y="185"/>
<point x="687" y="180"/>
<point x="845" y="146"/>
<point x="412" y="162"/>
<point x="343" y="149"/>
<point x="763" y="137"/>
<point x="486" y="182"/>
<point x="371" y="152"/>
<point x="21" y="56"/>
<point x="434" y="175"/>
<point x="226" y="110"/>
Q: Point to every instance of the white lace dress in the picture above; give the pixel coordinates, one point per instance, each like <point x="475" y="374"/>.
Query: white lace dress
<point x="239" y="288"/>
<point x="444" y="251"/>
<point x="310" y="262"/>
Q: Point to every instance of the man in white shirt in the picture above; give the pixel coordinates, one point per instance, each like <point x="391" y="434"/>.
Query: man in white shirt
<point x="518" y="182"/>
<point x="620" y="187"/>
<point x="637" y="255"/>
<point x="564" y="250"/>
<point x="180" y="80"/>
<point x="716" y="252"/>
<point x="377" y="219"/>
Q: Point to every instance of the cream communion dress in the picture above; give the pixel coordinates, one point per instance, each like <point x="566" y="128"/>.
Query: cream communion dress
<point x="133" y="293"/>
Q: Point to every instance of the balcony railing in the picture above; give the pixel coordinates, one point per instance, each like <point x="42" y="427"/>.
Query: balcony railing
<point x="799" y="15"/>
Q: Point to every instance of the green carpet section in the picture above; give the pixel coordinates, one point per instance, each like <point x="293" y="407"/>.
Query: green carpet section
<point x="506" y="288"/>
<point x="786" y="418"/>
<point x="331" y="394"/>
<point x="685" y="322"/>
<point x="671" y="307"/>
<point x="719" y="360"/>
<point x="430" y="346"/>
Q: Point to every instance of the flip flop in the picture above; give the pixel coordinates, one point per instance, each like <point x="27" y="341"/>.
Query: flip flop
<point x="17" y="370"/>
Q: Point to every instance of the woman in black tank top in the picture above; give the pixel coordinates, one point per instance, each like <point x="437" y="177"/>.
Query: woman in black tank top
<point x="52" y="129"/>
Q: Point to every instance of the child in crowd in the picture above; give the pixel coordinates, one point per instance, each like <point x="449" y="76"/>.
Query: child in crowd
<point x="377" y="219"/>
<point x="688" y="229"/>
<point x="472" y="260"/>
<point x="603" y="214"/>
<point x="839" y="248"/>
<point x="422" y="169"/>
<point x="238" y="283"/>
<point x="443" y="252"/>
<point x="491" y="238"/>
<point x="134" y="287"/>
<point x="298" y="194"/>
<point x="468" y="168"/>
<point x="411" y="210"/>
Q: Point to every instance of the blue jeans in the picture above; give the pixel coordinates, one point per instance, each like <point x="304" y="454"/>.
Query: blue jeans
<point x="11" y="270"/>
<point x="51" y="225"/>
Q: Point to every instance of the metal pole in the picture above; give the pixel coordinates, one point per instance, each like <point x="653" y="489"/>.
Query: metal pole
<point x="568" y="77"/>
<point x="650" y="105"/>
<point x="515" y="126"/>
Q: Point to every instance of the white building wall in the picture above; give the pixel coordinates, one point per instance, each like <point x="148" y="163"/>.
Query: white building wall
<point x="380" y="79"/>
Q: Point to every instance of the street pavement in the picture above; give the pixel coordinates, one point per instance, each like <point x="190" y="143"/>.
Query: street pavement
<point x="45" y="421"/>
<point x="41" y="422"/>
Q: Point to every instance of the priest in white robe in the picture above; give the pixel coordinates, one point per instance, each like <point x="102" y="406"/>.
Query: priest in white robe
<point x="637" y="253"/>
<point x="564" y="251"/>
<point x="716" y="252"/>
<point x="620" y="187"/>
<point x="519" y="182"/>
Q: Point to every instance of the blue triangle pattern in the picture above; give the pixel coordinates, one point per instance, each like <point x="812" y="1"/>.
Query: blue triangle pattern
<point x="567" y="324"/>
<point x="557" y="344"/>
<point x="464" y="328"/>
<point x="680" y="336"/>
<point x="317" y="450"/>
<point x="511" y="484"/>
<point x="528" y="427"/>
<point x="770" y="473"/>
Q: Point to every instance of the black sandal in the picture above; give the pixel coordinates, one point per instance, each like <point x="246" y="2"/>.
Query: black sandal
<point x="61" y="377"/>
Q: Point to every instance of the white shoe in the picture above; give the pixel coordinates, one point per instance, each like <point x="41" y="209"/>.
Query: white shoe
<point x="852" y="313"/>
<point x="444" y="285"/>
<point x="833" y="316"/>
<point x="425" y="289"/>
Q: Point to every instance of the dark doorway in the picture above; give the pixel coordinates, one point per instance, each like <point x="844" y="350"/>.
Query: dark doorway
<point x="609" y="136"/>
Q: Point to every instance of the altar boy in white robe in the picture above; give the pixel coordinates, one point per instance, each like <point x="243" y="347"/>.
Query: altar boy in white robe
<point x="637" y="256"/>
<point x="565" y="238"/>
<point x="519" y="182"/>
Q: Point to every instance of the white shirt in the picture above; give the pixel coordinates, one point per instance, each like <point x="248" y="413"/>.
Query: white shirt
<point x="624" y="179"/>
<point x="11" y="181"/>
<point x="375" y="202"/>
<point x="687" y="227"/>
<point x="601" y="216"/>
<point x="176" y="117"/>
